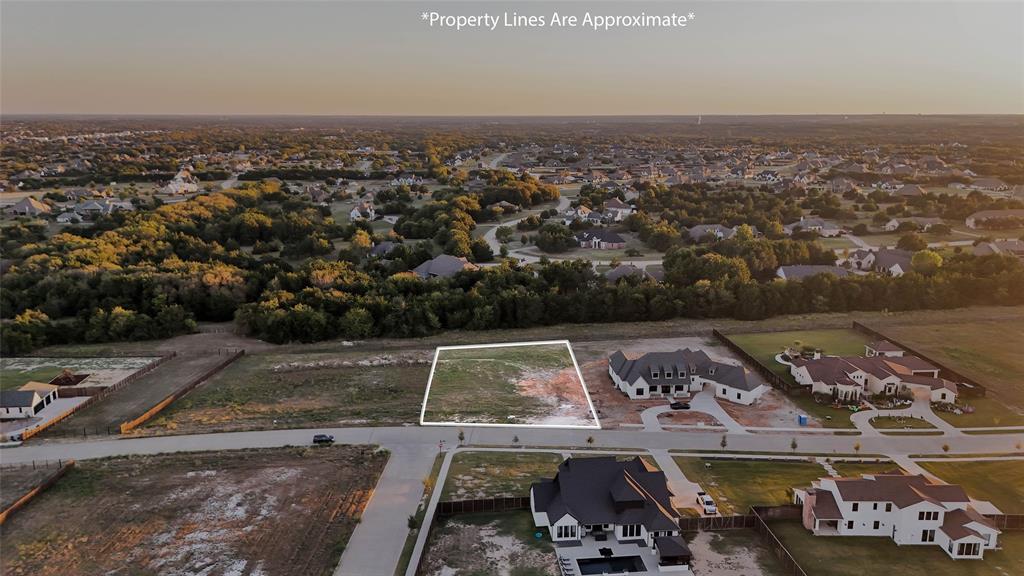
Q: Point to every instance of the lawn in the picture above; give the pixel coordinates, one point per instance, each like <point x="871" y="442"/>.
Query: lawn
<point x="261" y="391"/>
<point x="518" y="384"/>
<point x="13" y="379"/>
<point x="764" y="346"/>
<point x="858" y="468"/>
<point x="736" y="485"/>
<point x="859" y="556"/>
<point x="987" y="351"/>
<point x="899" y="423"/>
<point x="1001" y="482"/>
<point x="475" y="475"/>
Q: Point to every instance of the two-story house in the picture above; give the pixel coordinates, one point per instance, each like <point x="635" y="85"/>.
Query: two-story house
<point x="911" y="510"/>
<point x="625" y="506"/>
<point x="680" y="374"/>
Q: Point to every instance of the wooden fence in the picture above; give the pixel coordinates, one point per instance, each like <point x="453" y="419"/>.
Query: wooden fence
<point x="453" y="507"/>
<point x="972" y="388"/>
<point x="1012" y="522"/>
<point x="95" y="393"/>
<point x="770" y="377"/>
<point x="145" y="416"/>
<point x="789" y="564"/>
<point x="42" y="486"/>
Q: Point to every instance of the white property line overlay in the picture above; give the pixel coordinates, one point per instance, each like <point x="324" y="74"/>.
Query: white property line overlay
<point x="579" y="374"/>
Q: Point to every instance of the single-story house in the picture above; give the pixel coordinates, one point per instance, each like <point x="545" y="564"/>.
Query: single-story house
<point x="600" y="239"/>
<point x="849" y="378"/>
<point x="443" y="266"/>
<point x="29" y="206"/>
<point x="822" y="227"/>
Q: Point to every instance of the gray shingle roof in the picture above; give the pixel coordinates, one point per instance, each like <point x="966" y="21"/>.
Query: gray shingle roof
<point x="606" y="491"/>
<point x="681" y="365"/>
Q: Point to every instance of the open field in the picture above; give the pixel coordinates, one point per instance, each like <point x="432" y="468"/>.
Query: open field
<point x="857" y="556"/>
<point x="732" y="553"/>
<point x="988" y="351"/>
<point x="137" y="397"/>
<point x="500" y="544"/>
<point x="19" y="480"/>
<point x="261" y="391"/>
<point x="1001" y="482"/>
<point x="524" y="384"/>
<point x="474" y="475"/>
<point x="15" y="372"/>
<point x="736" y="485"/>
<point x="241" y="512"/>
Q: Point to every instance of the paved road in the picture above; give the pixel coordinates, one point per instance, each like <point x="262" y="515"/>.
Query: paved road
<point x="375" y="547"/>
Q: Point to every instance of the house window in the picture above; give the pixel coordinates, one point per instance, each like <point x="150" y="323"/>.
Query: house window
<point x="566" y="531"/>
<point x="849" y="525"/>
<point x="856" y="506"/>
<point x="668" y="374"/>
<point x="875" y="526"/>
<point x="927" y="535"/>
<point x="888" y="507"/>
<point x="631" y="531"/>
<point x="927" y="515"/>
<point x="874" y="506"/>
<point x="654" y="374"/>
<point x="968" y="549"/>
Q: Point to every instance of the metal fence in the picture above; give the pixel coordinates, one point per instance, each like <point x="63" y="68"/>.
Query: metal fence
<point x="453" y="507"/>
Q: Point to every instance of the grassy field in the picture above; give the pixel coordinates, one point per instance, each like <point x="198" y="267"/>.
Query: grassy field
<point x="15" y="371"/>
<point x="987" y="351"/>
<point x="736" y="485"/>
<point x="262" y="391"/>
<point x="246" y="511"/>
<point x="858" y="556"/>
<point x="1001" y="482"/>
<point x="496" y="474"/>
<point x="859" y="468"/>
<point x="536" y="384"/>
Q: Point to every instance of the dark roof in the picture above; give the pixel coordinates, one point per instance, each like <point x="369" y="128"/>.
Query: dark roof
<point x="623" y="270"/>
<point x="600" y="234"/>
<point x="383" y="249"/>
<point x="887" y="258"/>
<point x="672" y="547"/>
<point x="444" y="265"/>
<point x="825" y="507"/>
<point x="805" y="270"/>
<point x="884" y="346"/>
<point x="606" y="491"/>
<point x="954" y="523"/>
<point x="682" y="364"/>
<point x="17" y="398"/>
<point x="900" y="489"/>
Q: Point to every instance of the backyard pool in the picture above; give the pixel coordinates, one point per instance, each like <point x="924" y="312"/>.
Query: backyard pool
<point x="617" y="565"/>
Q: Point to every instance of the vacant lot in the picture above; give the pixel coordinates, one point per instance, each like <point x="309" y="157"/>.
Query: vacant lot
<point x="135" y="398"/>
<point x="241" y="512"/>
<point x="494" y="544"/>
<point x="736" y="485"/>
<point x="857" y="556"/>
<point x="535" y="384"/>
<point x="303" y="390"/>
<point x="475" y="475"/>
<point x="732" y="553"/>
<point x="1001" y="482"/>
<point x="19" y="480"/>
<point x="987" y="351"/>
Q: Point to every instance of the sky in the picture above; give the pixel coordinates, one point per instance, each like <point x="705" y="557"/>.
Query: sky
<point x="380" y="58"/>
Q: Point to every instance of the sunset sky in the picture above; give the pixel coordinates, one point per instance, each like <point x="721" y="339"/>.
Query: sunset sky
<point x="361" y="58"/>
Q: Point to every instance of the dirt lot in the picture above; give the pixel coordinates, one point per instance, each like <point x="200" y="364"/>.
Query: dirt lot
<point x="263" y="512"/>
<point x="613" y="407"/>
<point x="19" y="480"/>
<point x="732" y="553"/>
<point x="493" y="544"/>
<point x="774" y="409"/>
<point x="514" y="384"/>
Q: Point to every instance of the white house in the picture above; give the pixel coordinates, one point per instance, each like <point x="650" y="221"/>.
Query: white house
<point x="849" y="378"/>
<point x="680" y="374"/>
<point x="911" y="510"/>
<point x="616" y="210"/>
<point x="182" y="183"/>
<point x="27" y="401"/>
<point x="591" y="501"/>
<point x="813" y="224"/>
<point x="363" y="211"/>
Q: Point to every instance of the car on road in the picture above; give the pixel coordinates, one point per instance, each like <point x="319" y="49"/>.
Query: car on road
<point x="707" y="504"/>
<point x="679" y="405"/>
<point x="323" y="439"/>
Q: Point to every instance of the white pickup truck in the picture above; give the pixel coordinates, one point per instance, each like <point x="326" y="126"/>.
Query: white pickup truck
<point x="707" y="504"/>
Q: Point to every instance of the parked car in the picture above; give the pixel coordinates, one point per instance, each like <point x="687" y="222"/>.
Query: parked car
<point x="323" y="439"/>
<point x="679" y="405"/>
<point x="707" y="504"/>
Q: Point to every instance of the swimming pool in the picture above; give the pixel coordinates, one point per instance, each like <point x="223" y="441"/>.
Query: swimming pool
<point x="616" y="565"/>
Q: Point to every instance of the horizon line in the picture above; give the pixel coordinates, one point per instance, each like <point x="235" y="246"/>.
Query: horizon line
<point x="456" y="116"/>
